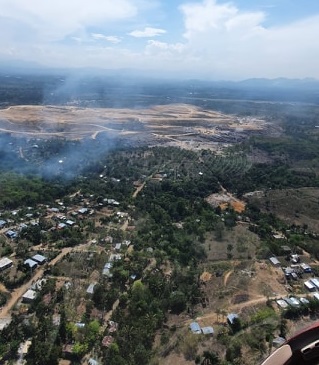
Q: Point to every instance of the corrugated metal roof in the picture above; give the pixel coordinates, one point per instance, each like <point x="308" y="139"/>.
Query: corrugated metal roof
<point x="195" y="327"/>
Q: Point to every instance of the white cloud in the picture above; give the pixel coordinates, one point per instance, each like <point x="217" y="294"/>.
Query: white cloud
<point x="53" y="20"/>
<point x="218" y="39"/>
<point x="148" y="32"/>
<point x="110" y="38"/>
<point x="228" y="42"/>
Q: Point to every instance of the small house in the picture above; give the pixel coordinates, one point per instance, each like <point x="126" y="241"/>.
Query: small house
<point x="278" y="341"/>
<point x="195" y="328"/>
<point x="282" y="304"/>
<point x="90" y="289"/>
<point x="286" y="250"/>
<point x="2" y="223"/>
<point x="11" y="234"/>
<point x="315" y="282"/>
<point x="310" y="286"/>
<point x="40" y="259"/>
<point x="292" y="301"/>
<point x="274" y="261"/>
<point x="31" y="263"/>
<point x="231" y="318"/>
<point x="306" y="268"/>
<point x="304" y="301"/>
<point x="208" y="330"/>
<point x="29" y="296"/>
<point x="61" y="225"/>
<point x="5" y="263"/>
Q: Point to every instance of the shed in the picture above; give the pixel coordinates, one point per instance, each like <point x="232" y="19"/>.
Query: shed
<point x="5" y="263"/>
<point x="231" y="318"/>
<point x="286" y="250"/>
<point x="208" y="330"/>
<point x="306" y="268"/>
<point x="40" y="259"/>
<point x="315" y="282"/>
<point x="31" y="263"/>
<point x="2" y="223"/>
<point x="304" y="301"/>
<point x="274" y="261"/>
<point x="11" y="234"/>
<point x="309" y="285"/>
<point x="90" y="289"/>
<point x="195" y="328"/>
<point x="281" y="303"/>
<point x="278" y="341"/>
<point x="92" y="362"/>
<point x="316" y="296"/>
<point x="292" y="301"/>
<point x="29" y="296"/>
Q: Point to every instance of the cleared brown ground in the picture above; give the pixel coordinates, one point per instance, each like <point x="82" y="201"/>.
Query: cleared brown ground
<point x="174" y="123"/>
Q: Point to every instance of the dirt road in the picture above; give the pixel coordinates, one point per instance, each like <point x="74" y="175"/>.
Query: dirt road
<point x="17" y="293"/>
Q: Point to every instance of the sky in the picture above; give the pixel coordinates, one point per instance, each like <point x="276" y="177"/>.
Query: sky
<point x="205" y="39"/>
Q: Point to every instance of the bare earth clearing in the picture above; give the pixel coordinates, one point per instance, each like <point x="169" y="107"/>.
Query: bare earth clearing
<point x="176" y="124"/>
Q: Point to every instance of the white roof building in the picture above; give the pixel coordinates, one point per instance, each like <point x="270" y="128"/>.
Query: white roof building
<point x="29" y="295"/>
<point x="39" y="258"/>
<point x="5" y="263"/>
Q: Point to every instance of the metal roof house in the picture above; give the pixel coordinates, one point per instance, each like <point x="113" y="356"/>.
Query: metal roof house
<point x="90" y="289"/>
<point x="310" y="285"/>
<point x="274" y="261"/>
<point x="5" y="263"/>
<point x="292" y="301"/>
<point x="11" y="234"/>
<point x="29" y="296"/>
<point x="306" y="268"/>
<point x="32" y="264"/>
<point x="208" y="330"/>
<point x="304" y="301"/>
<point x="2" y="223"/>
<point x="282" y="304"/>
<point x="40" y="259"/>
<point x="315" y="282"/>
<point x="231" y="317"/>
<point x="195" y="328"/>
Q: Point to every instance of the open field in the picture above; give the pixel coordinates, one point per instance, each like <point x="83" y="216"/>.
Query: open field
<point x="294" y="206"/>
<point x="183" y="125"/>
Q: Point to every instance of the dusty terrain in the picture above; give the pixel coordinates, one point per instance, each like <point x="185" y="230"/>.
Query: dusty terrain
<point x="175" y="124"/>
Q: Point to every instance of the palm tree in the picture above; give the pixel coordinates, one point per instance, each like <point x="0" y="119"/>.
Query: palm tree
<point x="210" y="358"/>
